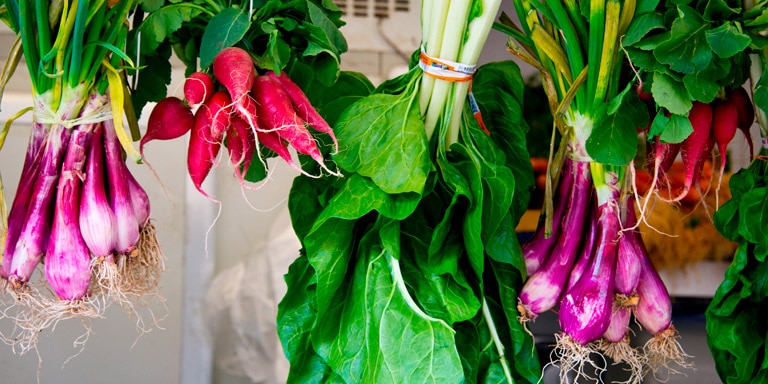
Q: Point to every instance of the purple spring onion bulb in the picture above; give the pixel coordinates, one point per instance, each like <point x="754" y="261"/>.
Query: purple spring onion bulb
<point x="628" y="261"/>
<point x="97" y="220"/>
<point x="140" y="200"/>
<point x="585" y="310"/>
<point x="67" y="259"/>
<point x="119" y="193"/>
<point x="541" y="291"/>
<point x="536" y="251"/>
<point x="654" y="313"/>
<point x="616" y="343"/>
<point x="587" y="249"/>
<point x="28" y="248"/>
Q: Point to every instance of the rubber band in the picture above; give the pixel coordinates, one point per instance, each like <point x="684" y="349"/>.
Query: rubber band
<point x="45" y="115"/>
<point x="445" y="69"/>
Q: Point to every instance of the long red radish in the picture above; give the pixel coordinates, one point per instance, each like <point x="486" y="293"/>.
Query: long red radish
<point x="694" y="146"/>
<point x="746" y="113"/>
<point x="277" y="114"/>
<point x="234" y="69"/>
<point x="241" y="145"/>
<point x="220" y="107"/>
<point x="202" y="151"/>
<point x="198" y="88"/>
<point x="725" y="121"/>
<point x="169" y="119"/>
<point x="303" y="107"/>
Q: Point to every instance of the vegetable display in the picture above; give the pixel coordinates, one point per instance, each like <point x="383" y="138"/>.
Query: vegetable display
<point x="78" y="213"/>
<point x="410" y="267"/>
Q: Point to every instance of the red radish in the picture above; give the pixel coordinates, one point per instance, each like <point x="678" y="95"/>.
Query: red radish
<point x="241" y="145"/>
<point x="746" y="113"/>
<point x="303" y="107"/>
<point x="642" y="93"/>
<point x="277" y="114"/>
<point x="201" y="152"/>
<point x="234" y="69"/>
<point x="169" y="119"/>
<point x="694" y="146"/>
<point x="220" y="108"/>
<point x="725" y="121"/>
<point x="198" y="88"/>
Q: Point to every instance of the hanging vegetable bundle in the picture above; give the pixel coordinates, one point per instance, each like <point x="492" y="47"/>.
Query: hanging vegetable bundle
<point x="240" y="97"/>
<point x="77" y="211"/>
<point x="410" y="266"/>
<point x="586" y="259"/>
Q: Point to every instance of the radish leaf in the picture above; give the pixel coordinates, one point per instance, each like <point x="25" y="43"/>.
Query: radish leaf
<point x="224" y="30"/>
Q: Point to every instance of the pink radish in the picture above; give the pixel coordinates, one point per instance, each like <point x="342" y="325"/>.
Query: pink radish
<point x="694" y="146"/>
<point x="725" y="121"/>
<point x="220" y="108"/>
<point x="198" y="88"/>
<point x="234" y="69"/>
<point x="241" y="145"/>
<point x="303" y="107"/>
<point x="169" y="119"/>
<point x="276" y="113"/>
<point x="746" y="113"/>
<point x="203" y="145"/>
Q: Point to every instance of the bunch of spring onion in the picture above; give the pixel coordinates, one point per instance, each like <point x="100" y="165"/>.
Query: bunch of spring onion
<point x="78" y="212"/>
<point x="585" y="259"/>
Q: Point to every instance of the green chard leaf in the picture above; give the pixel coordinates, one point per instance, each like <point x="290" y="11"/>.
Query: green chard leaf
<point x="357" y="340"/>
<point x="385" y="140"/>
<point x="224" y="30"/>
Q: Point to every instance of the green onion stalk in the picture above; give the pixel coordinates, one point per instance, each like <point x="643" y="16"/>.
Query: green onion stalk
<point x="589" y="266"/>
<point x="74" y="213"/>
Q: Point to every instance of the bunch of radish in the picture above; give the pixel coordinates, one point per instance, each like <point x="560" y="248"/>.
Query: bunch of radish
<point x="714" y="127"/>
<point x="239" y="109"/>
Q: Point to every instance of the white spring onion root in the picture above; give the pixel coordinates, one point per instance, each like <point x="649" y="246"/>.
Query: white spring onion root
<point x="664" y="354"/>
<point x="35" y="310"/>
<point x="141" y="271"/>
<point x="574" y="358"/>
<point x="622" y="352"/>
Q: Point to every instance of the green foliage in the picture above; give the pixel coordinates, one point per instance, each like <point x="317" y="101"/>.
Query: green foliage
<point x="401" y="254"/>
<point x="736" y="319"/>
